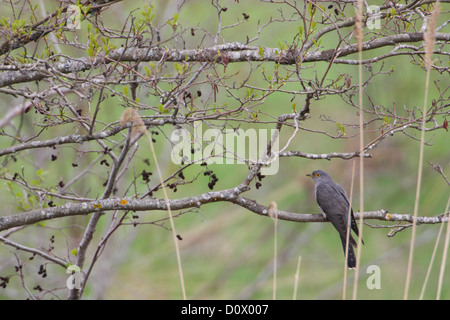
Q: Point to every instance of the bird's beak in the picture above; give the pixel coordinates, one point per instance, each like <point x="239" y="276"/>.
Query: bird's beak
<point x="309" y="175"/>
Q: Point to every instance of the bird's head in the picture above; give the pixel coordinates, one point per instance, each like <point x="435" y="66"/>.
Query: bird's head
<point x="319" y="176"/>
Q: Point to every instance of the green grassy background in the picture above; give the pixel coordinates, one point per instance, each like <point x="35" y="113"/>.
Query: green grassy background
<point x="226" y="251"/>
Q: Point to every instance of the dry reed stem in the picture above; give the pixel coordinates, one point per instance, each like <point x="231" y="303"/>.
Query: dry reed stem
<point x="296" y="278"/>
<point x="348" y="233"/>
<point x="434" y="253"/>
<point x="130" y="114"/>
<point x="273" y="213"/>
<point x="429" y="38"/>
<point x="444" y="257"/>
<point x="359" y="36"/>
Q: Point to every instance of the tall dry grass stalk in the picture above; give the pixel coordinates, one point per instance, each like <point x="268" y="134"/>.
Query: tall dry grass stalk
<point x="434" y="252"/>
<point x="273" y="213"/>
<point x="430" y="39"/>
<point x="296" y="278"/>
<point x="444" y="254"/>
<point x="359" y="38"/>
<point x="131" y="115"/>
<point x="344" y="287"/>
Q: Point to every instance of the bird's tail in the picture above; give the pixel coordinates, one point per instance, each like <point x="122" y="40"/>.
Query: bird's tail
<point x="351" y="257"/>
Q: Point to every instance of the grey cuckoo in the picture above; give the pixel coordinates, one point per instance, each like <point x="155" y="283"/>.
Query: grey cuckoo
<point x="333" y="201"/>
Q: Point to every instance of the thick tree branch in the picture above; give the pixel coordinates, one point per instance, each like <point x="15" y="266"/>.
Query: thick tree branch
<point x="226" y="53"/>
<point x="323" y="156"/>
<point x="80" y="138"/>
<point x="228" y="195"/>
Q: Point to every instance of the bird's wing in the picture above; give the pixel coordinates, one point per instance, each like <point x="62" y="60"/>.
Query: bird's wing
<point x="334" y="203"/>
<point x="331" y="200"/>
<point x="342" y="192"/>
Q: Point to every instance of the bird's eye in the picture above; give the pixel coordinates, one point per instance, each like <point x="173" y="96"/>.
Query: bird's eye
<point x="317" y="174"/>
